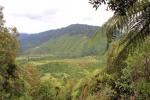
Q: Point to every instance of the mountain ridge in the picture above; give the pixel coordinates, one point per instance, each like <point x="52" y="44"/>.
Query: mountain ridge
<point x="70" y="40"/>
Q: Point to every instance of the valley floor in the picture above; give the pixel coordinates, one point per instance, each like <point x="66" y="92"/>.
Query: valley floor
<point x="60" y="67"/>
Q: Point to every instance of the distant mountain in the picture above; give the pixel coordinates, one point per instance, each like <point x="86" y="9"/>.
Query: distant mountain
<point x="68" y="41"/>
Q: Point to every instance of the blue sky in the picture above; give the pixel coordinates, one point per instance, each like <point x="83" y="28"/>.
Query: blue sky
<point x="33" y="16"/>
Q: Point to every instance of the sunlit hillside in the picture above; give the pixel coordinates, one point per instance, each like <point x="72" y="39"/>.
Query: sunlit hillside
<point x="72" y="41"/>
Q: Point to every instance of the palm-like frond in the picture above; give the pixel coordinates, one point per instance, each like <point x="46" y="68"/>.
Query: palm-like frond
<point x="130" y="29"/>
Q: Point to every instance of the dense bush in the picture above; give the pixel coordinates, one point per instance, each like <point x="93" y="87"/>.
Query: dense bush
<point x="12" y="85"/>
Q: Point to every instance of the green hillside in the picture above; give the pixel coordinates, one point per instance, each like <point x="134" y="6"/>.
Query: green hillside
<point x="72" y="41"/>
<point x="66" y="45"/>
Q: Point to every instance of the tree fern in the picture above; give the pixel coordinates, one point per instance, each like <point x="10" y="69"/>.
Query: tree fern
<point x="129" y="26"/>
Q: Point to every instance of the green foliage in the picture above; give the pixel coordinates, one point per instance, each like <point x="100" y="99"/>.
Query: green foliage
<point x="119" y="7"/>
<point x="137" y="71"/>
<point x="58" y="68"/>
<point x="133" y="81"/>
<point x="128" y="42"/>
<point x="127" y="76"/>
<point x="71" y="41"/>
<point x="46" y="91"/>
<point x="129" y="30"/>
<point x="59" y="79"/>
<point x="34" y="40"/>
<point x="51" y="88"/>
<point x="12" y="86"/>
<point x="71" y="68"/>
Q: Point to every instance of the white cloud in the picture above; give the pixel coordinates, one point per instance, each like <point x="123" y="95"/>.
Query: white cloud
<point x="34" y="16"/>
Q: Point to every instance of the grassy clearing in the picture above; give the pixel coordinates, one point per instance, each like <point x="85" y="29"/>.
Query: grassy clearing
<point x="64" y="67"/>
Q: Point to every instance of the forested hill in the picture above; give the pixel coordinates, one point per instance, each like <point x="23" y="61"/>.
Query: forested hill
<point x="73" y="40"/>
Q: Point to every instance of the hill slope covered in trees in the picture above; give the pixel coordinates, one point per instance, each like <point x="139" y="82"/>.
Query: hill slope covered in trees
<point x="74" y="40"/>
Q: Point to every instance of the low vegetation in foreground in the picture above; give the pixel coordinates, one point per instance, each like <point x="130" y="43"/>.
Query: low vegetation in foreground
<point x="58" y="79"/>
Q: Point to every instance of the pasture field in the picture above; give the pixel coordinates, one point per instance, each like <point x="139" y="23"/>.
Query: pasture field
<point x="63" y="67"/>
